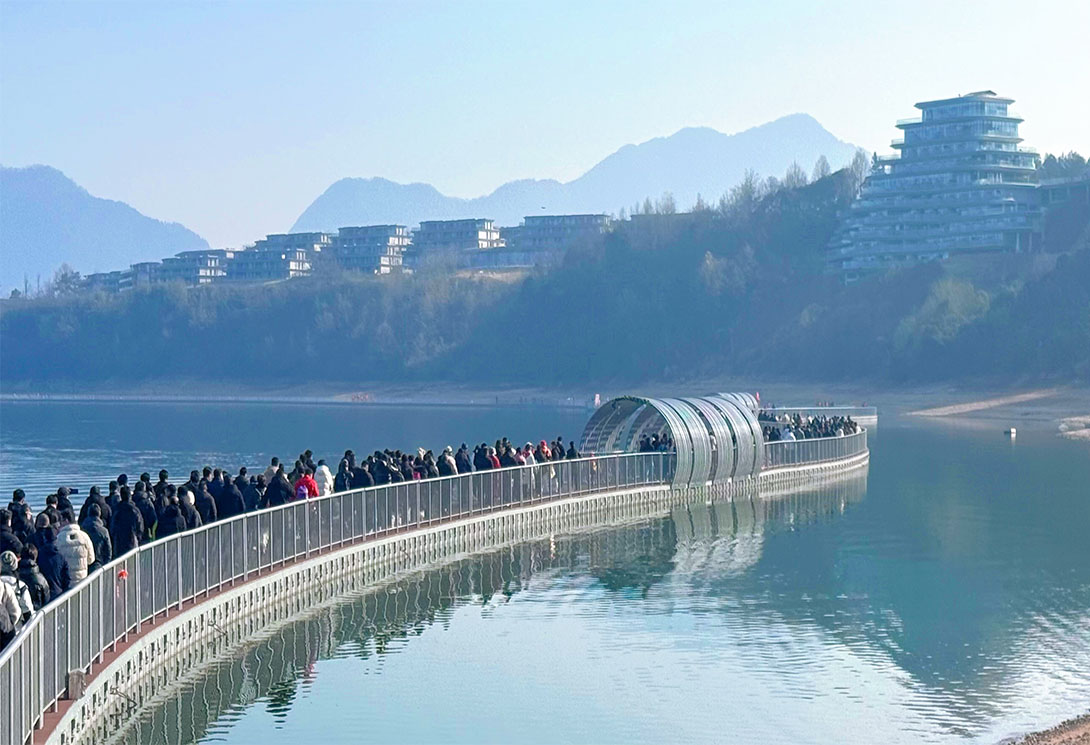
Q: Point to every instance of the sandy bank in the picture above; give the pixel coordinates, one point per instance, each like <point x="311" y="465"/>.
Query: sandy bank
<point x="1072" y="732"/>
<point x="1075" y="428"/>
<point x="988" y="403"/>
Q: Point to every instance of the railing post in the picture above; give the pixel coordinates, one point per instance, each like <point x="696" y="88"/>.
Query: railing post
<point x="245" y="548"/>
<point x="306" y="532"/>
<point x="178" y="549"/>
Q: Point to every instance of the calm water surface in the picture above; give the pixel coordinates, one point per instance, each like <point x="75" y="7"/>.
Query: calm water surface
<point x="943" y="598"/>
<point x="45" y="445"/>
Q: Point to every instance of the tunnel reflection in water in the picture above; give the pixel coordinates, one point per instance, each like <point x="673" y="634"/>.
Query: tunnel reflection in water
<point x="269" y="671"/>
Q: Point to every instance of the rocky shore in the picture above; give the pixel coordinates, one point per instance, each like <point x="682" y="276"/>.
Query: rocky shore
<point x="1072" y="732"/>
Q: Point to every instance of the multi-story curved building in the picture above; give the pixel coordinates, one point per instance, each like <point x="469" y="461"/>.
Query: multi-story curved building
<point x="959" y="183"/>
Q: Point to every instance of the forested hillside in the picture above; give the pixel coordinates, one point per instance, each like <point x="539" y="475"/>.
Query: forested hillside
<point x="735" y="288"/>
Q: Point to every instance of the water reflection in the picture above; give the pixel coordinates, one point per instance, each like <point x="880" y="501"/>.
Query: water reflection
<point x="932" y="613"/>
<point x="273" y="671"/>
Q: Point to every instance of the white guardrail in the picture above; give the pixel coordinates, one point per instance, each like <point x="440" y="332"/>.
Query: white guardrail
<point x="73" y="632"/>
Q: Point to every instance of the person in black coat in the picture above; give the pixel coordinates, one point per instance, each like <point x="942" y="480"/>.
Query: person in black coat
<point x="192" y="485"/>
<point x="362" y="478"/>
<point x="342" y="481"/>
<point x="160" y="487"/>
<point x="44" y="532"/>
<point x="126" y="525"/>
<point x="189" y="511"/>
<point x="51" y="564"/>
<point x="215" y="485"/>
<point x="63" y="502"/>
<point x="205" y="504"/>
<point x="99" y="535"/>
<point x="254" y="493"/>
<point x="51" y="512"/>
<point x="480" y="458"/>
<point x="32" y="577"/>
<point x="8" y="540"/>
<point x="95" y="497"/>
<point x="112" y="498"/>
<point x="149" y="489"/>
<point x="143" y="502"/>
<point x="462" y="459"/>
<point x="18" y="497"/>
<point x="229" y="503"/>
<point x="172" y="520"/>
<point x="279" y="491"/>
<point x="22" y="523"/>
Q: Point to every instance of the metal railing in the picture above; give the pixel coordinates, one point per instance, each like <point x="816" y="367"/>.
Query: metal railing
<point x="77" y="629"/>
<point x="845" y="411"/>
<point x="815" y="450"/>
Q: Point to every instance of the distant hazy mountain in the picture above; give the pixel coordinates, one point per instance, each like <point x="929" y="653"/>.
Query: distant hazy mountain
<point x="46" y="219"/>
<point x="692" y="161"/>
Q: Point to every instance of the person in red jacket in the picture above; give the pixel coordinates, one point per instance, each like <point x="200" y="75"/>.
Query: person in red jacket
<point x="307" y="482"/>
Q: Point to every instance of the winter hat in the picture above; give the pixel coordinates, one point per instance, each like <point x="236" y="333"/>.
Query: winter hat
<point x="8" y="562"/>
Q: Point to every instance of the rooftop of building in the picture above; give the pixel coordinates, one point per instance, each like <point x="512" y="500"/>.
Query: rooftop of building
<point x="461" y="221"/>
<point x="990" y="96"/>
<point x="280" y="236"/>
<point x="588" y="216"/>
<point x="370" y="228"/>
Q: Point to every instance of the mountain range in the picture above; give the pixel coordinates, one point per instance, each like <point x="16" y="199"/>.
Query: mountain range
<point x="46" y="219"/>
<point x="692" y="161"/>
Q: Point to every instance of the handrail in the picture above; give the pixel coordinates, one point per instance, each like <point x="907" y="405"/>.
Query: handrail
<point x="75" y="630"/>
<point x="814" y="449"/>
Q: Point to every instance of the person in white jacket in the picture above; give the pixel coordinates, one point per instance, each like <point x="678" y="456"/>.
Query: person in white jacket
<point x="9" y="575"/>
<point x="10" y="614"/>
<point x="77" y="550"/>
<point x="324" y="478"/>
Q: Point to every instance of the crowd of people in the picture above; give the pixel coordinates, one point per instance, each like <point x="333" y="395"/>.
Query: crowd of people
<point x="43" y="555"/>
<point x="777" y="427"/>
<point x="656" y="443"/>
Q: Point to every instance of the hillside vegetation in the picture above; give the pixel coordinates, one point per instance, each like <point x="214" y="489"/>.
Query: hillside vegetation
<point x="737" y="288"/>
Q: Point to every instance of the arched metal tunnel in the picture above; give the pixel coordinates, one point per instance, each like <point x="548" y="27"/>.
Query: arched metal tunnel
<point x="717" y="437"/>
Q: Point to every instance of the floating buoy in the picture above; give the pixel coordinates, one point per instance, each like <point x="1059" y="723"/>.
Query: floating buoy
<point x="1012" y="432"/>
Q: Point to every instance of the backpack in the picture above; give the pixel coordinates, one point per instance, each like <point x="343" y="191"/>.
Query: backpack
<point x="22" y="596"/>
<point x="300" y="490"/>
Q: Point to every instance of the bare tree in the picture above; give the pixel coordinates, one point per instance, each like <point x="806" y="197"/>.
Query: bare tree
<point x="795" y="177"/>
<point x="66" y="281"/>
<point x="666" y="204"/>
<point x="821" y="168"/>
<point x="742" y="198"/>
<point x="859" y="168"/>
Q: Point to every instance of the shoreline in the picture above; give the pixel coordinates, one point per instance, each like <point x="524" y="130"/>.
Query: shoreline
<point x="1063" y="411"/>
<point x="936" y="403"/>
<point x="1074" y="731"/>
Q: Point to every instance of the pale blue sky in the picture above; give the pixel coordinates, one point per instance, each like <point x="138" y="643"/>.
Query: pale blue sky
<point x="231" y="117"/>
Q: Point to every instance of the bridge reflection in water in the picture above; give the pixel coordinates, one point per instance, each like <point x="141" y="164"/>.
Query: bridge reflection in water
<point x="698" y="540"/>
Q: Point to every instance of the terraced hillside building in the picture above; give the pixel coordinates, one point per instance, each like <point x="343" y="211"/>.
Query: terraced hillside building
<point x="456" y="241"/>
<point x="960" y="183"/>
<point x="371" y="249"/>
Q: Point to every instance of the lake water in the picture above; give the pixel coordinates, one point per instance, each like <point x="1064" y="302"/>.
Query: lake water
<point x="943" y="598"/>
